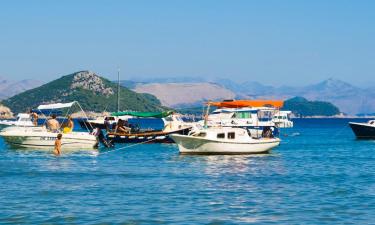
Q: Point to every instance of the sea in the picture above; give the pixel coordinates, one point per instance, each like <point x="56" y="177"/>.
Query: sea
<point x="320" y="174"/>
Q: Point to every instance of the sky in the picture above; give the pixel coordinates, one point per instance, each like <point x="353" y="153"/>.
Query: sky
<point x="274" y="42"/>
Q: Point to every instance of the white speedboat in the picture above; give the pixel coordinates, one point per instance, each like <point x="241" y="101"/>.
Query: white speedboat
<point x="225" y="140"/>
<point x="23" y="119"/>
<point x="282" y="120"/>
<point x="41" y="137"/>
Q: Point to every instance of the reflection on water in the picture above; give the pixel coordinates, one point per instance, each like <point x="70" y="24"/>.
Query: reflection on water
<point x="217" y="165"/>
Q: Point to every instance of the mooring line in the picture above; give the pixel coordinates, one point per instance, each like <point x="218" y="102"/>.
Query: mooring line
<point x="128" y="146"/>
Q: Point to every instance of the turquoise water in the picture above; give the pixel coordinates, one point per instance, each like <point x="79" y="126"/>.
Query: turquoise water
<point x="321" y="176"/>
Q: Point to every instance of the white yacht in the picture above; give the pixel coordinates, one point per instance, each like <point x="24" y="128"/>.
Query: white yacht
<point x="225" y="140"/>
<point x="41" y="137"/>
<point x="23" y="119"/>
<point x="256" y="119"/>
<point x="282" y="119"/>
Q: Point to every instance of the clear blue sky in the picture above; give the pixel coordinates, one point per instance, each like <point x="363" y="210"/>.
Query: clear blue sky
<point x="274" y="42"/>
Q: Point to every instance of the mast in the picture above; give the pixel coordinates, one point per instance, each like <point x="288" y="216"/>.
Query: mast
<point x="118" y="90"/>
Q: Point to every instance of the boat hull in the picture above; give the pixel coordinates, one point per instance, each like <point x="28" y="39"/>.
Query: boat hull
<point x="196" y="145"/>
<point x="363" y="130"/>
<point x="146" y="137"/>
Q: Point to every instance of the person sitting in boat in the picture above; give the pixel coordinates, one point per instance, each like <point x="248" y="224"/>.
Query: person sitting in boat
<point x="68" y="125"/>
<point x="52" y="124"/>
<point x="121" y="128"/>
<point x="267" y="132"/>
<point x="107" y="124"/>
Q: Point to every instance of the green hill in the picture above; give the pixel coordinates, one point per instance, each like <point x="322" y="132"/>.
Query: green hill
<point x="302" y="107"/>
<point x="93" y="92"/>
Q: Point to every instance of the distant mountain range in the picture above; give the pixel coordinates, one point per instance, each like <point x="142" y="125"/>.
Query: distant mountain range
<point x="181" y="92"/>
<point x="9" y="87"/>
<point x="350" y="99"/>
<point x="93" y="92"/>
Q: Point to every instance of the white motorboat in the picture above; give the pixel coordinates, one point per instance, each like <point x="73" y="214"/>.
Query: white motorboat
<point x="224" y="140"/>
<point x="23" y="119"/>
<point x="41" y="137"/>
<point x="282" y="119"/>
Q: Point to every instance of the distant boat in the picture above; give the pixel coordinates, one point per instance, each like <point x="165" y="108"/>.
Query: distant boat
<point x="282" y="120"/>
<point x="23" y="119"/>
<point x="224" y="140"/>
<point x="364" y="130"/>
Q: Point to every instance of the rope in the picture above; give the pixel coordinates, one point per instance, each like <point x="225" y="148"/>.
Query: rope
<point x="128" y="146"/>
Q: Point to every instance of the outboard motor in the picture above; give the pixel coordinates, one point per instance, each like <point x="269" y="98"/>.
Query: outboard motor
<point x="102" y="139"/>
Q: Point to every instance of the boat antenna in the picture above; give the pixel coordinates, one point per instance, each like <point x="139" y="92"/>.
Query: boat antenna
<point x="206" y="115"/>
<point x="118" y="90"/>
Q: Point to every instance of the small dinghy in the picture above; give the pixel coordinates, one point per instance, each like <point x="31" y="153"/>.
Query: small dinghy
<point x="224" y="140"/>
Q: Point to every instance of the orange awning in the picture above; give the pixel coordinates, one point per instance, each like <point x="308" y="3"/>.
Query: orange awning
<point x="248" y="103"/>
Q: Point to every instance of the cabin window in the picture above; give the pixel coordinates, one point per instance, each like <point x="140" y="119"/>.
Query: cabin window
<point x="168" y="119"/>
<point x="202" y="134"/>
<point x="242" y="115"/>
<point x="221" y="135"/>
<point x="231" y="135"/>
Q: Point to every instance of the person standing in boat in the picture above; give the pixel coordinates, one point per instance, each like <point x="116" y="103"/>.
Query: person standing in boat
<point x="52" y="124"/>
<point x="34" y="116"/>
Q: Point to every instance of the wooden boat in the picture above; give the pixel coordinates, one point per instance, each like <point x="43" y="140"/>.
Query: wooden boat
<point x="173" y="124"/>
<point x="146" y="136"/>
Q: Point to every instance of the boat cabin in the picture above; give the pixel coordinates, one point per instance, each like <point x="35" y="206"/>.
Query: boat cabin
<point x="229" y="133"/>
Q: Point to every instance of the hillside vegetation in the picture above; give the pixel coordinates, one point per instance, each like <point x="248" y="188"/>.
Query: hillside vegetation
<point x="302" y="107"/>
<point x="93" y="92"/>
